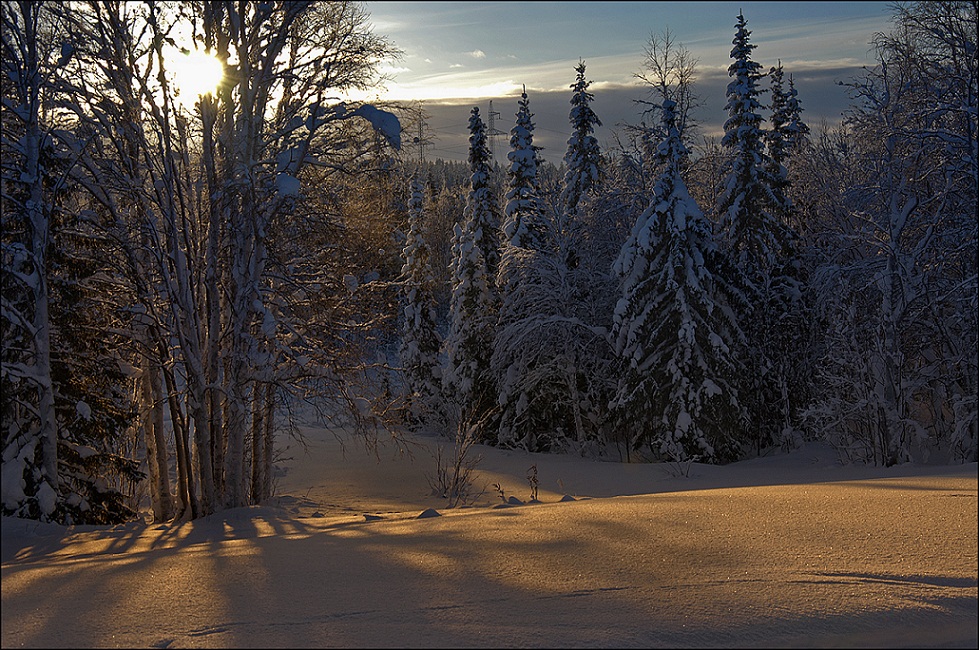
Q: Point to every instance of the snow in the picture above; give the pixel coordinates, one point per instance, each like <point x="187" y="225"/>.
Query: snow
<point x="46" y="498"/>
<point x="384" y="122"/>
<point x="287" y="185"/>
<point x="84" y="410"/>
<point x="782" y="551"/>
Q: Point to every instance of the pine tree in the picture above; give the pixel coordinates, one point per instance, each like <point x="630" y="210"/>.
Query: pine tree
<point x="474" y="306"/>
<point x="583" y="158"/>
<point x="785" y="137"/>
<point x="754" y="215"/>
<point x="796" y="130"/>
<point x="583" y="161"/>
<point x="783" y="317"/>
<point x="775" y="136"/>
<point x="524" y="227"/>
<point x="674" y="327"/>
<point x="525" y="256"/>
<point x="751" y="207"/>
<point x="789" y="132"/>
<point x="419" y="339"/>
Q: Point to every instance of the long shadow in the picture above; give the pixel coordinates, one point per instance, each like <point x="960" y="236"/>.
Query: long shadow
<point x="885" y="578"/>
<point x="527" y="576"/>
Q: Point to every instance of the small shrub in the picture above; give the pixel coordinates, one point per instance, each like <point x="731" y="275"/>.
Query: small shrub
<point x="532" y="479"/>
<point x="500" y="492"/>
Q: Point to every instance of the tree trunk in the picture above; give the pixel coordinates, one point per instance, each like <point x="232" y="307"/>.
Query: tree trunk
<point x="186" y="492"/>
<point x="156" y="442"/>
<point x="258" y="443"/>
<point x="268" y="456"/>
<point x="37" y="217"/>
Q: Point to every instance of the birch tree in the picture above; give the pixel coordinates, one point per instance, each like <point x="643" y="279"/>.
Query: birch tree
<point x="192" y="199"/>
<point x="904" y="385"/>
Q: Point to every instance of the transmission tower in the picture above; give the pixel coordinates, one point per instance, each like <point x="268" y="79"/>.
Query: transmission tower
<point x="492" y="132"/>
<point x="420" y="140"/>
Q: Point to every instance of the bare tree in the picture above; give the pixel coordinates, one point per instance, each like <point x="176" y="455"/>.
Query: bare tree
<point x="199" y="204"/>
<point x="670" y="71"/>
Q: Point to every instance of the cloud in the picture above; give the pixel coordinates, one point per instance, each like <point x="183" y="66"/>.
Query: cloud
<point x="452" y="94"/>
<point x="478" y="54"/>
<point x="456" y="65"/>
<point x="390" y="69"/>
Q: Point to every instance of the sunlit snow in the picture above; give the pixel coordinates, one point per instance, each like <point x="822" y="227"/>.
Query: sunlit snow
<point x="785" y="551"/>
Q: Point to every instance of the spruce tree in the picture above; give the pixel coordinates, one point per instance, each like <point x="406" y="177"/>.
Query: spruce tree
<point x="674" y="326"/>
<point x="526" y="256"/>
<point x="474" y="306"/>
<point x="796" y="130"/>
<point x="419" y="340"/>
<point x="583" y="161"/>
<point x="775" y="136"/>
<point x="583" y="158"/>
<point x="751" y="206"/>
<point x="754" y="216"/>
<point x="523" y="227"/>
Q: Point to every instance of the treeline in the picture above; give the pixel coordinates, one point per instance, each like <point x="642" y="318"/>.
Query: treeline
<point x="708" y="301"/>
<point x="180" y="281"/>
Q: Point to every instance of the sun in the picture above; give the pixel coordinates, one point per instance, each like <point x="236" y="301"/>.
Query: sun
<point x="194" y="73"/>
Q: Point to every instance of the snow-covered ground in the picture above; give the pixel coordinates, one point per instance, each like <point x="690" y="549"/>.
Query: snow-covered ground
<point x="791" y="550"/>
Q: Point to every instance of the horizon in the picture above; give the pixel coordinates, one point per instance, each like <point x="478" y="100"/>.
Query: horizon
<point x="460" y="55"/>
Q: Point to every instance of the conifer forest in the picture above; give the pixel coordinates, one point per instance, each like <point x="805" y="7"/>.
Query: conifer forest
<point x="186" y="278"/>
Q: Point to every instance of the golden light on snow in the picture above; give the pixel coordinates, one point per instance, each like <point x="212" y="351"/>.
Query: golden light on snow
<point x="194" y="73"/>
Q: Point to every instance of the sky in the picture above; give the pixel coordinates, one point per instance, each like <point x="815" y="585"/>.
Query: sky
<point x="456" y="55"/>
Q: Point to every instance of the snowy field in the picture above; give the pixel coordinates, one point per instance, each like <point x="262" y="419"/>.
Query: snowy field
<point x="787" y="551"/>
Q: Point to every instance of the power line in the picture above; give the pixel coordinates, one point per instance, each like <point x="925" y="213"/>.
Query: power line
<point x="492" y="132"/>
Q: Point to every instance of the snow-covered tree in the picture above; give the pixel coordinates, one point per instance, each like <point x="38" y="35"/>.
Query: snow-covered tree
<point x="474" y="307"/>
<point x="775" y="136"/>
<point x="30" y="438"/>
<point x="523" y="226"/>
<point x="675" y="326"/>
<point x="786" y="137"/>
<point x="526" y="255"/>
<point x="583" y="164"/>
<point x="550" y="360"/>
<point x="751" y="209"/>
<point x="194" y="205"/>
<point x="66" y="405"/>
<point x="583" y="158"/>
<point x="419" y="336"/>
<point x="796" y="130"/>
<point x="899" y="266"/>
<point x="754" y="213"/>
